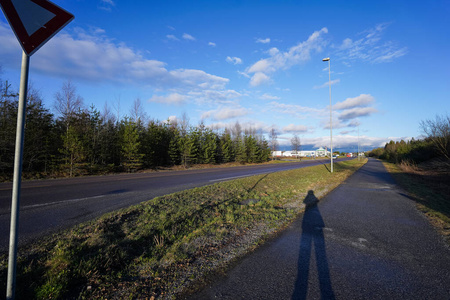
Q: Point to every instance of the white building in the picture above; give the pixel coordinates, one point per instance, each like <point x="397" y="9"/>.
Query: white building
<point x="321" y="152"/>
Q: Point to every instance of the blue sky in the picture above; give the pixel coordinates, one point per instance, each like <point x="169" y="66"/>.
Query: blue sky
<point x="255" y="62"/>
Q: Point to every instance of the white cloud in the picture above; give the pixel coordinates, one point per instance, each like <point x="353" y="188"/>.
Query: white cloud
<point x="169" y="99"/>
<point x="354" y="123"/>
<point x="294" y="110"/>
<point x="389" y="53"/>
<point x="356" y="112"/>
<point x="234" y="60"/>
<point x="284" y="60"/>
<point x="170" y="120"/>
<point x="362" y="100"/>
<point x="200" y="97"/>
<point x="172" y="37"/>
<point x="263" y="41"/>
<point x="9" y="46"/>
<point x="346" y="44"/>
<point x="340" y="123"/>
<point x="350" y="109"/>
<point x="214" y="96"/>
<point x="224" y="113"/>
<point x="273" y="51"/>
<point x="326" y="84"/>
<point x="229" y="113"/>
<point x="337" y="124"/>
<point x="95" y="58"/>
<point x="348" y="141"/>
<point x="173" y="119"/>
<point x="263" y="65"/>
<point x="269" y="97"/>
<point x="346" y="132"/>
<point x="212" y="44"/>
<point x="370" y="47"/>
<point x="295" y="128"/>
<point x="243" y="74"/>
<point x="188" y="37"/>
<point x="198" y="79"/>
<point x="106" y="5"/>
<point x="253" y="126"/>
<point x="259" y="78"/>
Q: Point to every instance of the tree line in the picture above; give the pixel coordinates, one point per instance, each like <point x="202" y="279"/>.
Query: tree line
<point x="434" y="144"/>
<point x="79" y="141"/>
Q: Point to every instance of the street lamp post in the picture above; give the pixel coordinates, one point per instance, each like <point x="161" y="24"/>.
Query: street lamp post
<point x="331" y="123"/>
<point x="358" y="142"/>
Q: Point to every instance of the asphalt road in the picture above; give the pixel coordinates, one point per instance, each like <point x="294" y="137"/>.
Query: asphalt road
<point x="365" y="240"/>
<point x="47" y="206"/>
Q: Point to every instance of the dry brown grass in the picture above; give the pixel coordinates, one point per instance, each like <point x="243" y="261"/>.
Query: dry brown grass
<point x="429" y="185"/>
<point x="409" y="167"/>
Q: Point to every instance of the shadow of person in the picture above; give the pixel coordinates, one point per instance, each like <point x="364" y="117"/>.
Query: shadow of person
<point x="312" y="235"/>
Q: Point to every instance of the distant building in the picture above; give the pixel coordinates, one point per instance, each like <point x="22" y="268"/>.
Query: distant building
<point x="321" y="152"/>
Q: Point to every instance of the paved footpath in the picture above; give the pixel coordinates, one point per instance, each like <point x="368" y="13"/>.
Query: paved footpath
<point x="365" y="240"/>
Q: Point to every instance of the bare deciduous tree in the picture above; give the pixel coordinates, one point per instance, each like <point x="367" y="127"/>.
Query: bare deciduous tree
<point x="273" y="136"/>
<point x="295" y="142"/>
<point x="67" y="102"/>
<point x="107" y="115"/>
<point x="184" y="124"/>
<point x="138" y="116"/>
<point x="236" y="131"/>
<point x="438" y="131"/>
<point x="116" y="107"/>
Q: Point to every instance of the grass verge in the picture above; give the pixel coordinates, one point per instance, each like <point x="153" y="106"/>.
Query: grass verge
<point x="429" y="187"/>
<point x="166" y="246"/>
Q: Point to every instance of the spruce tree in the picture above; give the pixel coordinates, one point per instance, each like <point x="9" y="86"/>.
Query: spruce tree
<point x="131" y="156"/>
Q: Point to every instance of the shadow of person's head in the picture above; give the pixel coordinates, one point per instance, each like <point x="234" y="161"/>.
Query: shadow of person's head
<point x="310" y="199"/>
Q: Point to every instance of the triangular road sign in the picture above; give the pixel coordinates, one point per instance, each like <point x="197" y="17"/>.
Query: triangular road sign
<point x="34" y="22"/>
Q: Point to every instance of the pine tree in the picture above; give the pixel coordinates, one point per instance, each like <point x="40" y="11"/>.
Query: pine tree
<point x="109" y="144"/>
<point x="132" y="158"/>
<point x="252" y="149"/>
<point x="265" y="152"/>
<point x="174" y="148"/>
<point x="39" y="136"/>
<point x="241" y="153"/>
<point x="193" y="146"/>
<point x="227" y="147"/>
<point x="8" y="121"/>
<point x="73" y="150"/>
<point x="210" y="147"/>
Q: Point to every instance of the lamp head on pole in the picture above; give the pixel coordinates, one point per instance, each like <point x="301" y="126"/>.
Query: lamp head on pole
<point x="326" y="59"/>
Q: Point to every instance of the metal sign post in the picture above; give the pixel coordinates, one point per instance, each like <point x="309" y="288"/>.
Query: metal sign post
<point x="18" y="157"/>
<point x="34" y="22"/>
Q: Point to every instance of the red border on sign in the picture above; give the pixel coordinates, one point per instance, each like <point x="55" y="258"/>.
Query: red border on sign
<point x="31" y="44"/>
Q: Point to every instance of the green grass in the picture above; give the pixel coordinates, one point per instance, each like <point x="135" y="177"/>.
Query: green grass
<point x="167" y="244"/>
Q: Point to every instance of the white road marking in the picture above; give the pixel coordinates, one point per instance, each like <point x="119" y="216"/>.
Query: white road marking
<point x="62" y="202"/>
<point x="235" y="177"/>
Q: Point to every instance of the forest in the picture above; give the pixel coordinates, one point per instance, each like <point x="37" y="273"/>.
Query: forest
<point x="435" y="144"/>
<point x="76" y="140"/>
